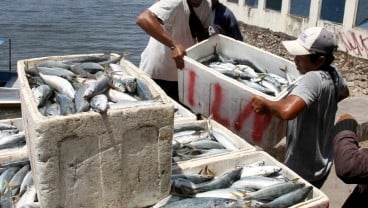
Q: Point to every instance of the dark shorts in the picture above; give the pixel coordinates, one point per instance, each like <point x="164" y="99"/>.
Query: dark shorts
<point x="170" y="88"/>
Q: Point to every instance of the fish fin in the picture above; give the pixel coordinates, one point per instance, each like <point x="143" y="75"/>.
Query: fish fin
<point x="295" y="180"/>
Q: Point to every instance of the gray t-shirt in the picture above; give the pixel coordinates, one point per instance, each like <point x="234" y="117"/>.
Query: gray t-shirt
<point x="309" y="147"/>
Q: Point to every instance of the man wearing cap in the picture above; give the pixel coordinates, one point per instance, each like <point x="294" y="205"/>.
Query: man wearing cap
<point x="311" y="106"/>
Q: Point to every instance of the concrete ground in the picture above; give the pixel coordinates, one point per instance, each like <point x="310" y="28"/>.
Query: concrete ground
<point x="336" y="190"/>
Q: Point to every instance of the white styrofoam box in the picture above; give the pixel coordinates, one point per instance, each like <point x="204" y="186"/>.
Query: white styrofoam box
<point x="209" y="92"/>
<point x="182" y="113"/>
<point x="11" y="155"/>
<point x="228" y="136"/>
<point x="223" y="163"/>
<point x="118" y="159"/>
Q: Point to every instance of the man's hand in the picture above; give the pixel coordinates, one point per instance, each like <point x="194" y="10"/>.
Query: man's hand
<point x="258" y="104"/>
<point x="178" y="52"/>
<point x="345" y="117"/>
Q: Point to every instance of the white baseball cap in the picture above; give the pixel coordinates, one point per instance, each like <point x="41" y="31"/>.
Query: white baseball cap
<point x="312" y="40"/>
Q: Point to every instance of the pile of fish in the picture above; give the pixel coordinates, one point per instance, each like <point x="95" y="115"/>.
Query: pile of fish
<point x="197" y="140"/>
<point x="89" y="83"/>
<point x="16" y="182"/>
<point x="254" y="185"/>
<point x="248" y="73"/>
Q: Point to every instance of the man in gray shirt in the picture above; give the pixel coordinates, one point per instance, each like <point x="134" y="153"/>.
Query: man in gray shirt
<point x="311" y="106"/>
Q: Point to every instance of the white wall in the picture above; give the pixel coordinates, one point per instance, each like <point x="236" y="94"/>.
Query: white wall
<point x="351" y="39"/>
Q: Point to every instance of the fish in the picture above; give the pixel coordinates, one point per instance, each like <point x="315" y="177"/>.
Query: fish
<point x="271" y="192"/>
<point x="98" y="87"/>
<point x="289" y="199"/>
<point x="117" y="96"/>
<point x="41" y="94"/>
<point x="8" y="132"/>
<point x="205" y="144"/>
<point x="6" y="202"/>
<point x="187" y="126"/>
<point x="60" y="72"/>
<point x="227" y="193"/>
<point x="81" y="103"/>
<point x="223" y="139"/>
<point x="28" y="198"/>
<point x="195" y="178"/>
<point x="6" y="176"/>
<point x="114" y="60"/>
<point x="99" y="103"/>
<point x="52" y="109"/>
<point x="118" y="69"/>
<point x="89" y="67"/>
<point x="256" y="182"/>
<point x="66" y="104"/>
<point x="5" y="126"/>
<point x="205" y="202"/>
<point x="53" y="64"/>
<point x="143" y="91"/>
<point x="12" y="140"/>
<point x="223" y="181"/>
<point x="27" y="182"/>
<point x="264" y="170"/>
<point x="61" y="85"/>
<point x="12" y="188"/>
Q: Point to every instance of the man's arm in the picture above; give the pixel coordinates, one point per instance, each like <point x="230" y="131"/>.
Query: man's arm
<point x="287" y="108"/>
<point x="152" y="25"/>
<point x="351" y="161"/>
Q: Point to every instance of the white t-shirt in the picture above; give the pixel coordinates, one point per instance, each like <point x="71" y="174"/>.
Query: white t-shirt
<point x="156" y="58"/>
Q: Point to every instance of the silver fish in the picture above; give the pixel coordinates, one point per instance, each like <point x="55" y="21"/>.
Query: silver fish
<point x="256" y="182"/>
<point x="227" y="193"/>
<point x="81" y="103"/>
<point x="5" y="126"/>
<point x="205" y="202"/>
<point x="66" y="104"/>
<point x="12" y="140"/>
<point x="26" y="183"/>
<point x="15" y="182"/>
<point x="53" y="64"/>
<point x="6" y="202"/>
<point x="271" y="192"/>
<point x="99" y="103"/>
<point x="223" y="181"/>
<point x="289" y="199"/>
<point x="52" y="109"/>
<point x="6" y="176"/>
<point x="41" y="94"/>
<point x="89" y="67"/>
<point x="117" y="96"/>
<point x="265" y="170"/>
<point x="117" y="69"/>
<point x="205" y="144"/>
<point x="60" y="72"/>
<point x="59" y="84"/>
<point x="28" y="198"/>
<point x="195" y="178"/>
<point x="98" y="87"/>
<point x="143" y="91"/>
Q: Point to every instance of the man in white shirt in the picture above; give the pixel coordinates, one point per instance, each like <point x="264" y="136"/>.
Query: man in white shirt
<point x="168" y="24"/>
